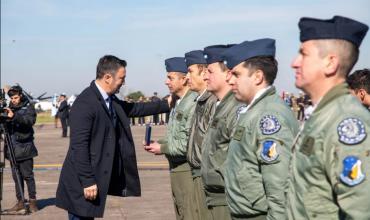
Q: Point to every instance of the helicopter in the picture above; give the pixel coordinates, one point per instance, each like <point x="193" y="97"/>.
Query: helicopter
<point x="31" y="99"/>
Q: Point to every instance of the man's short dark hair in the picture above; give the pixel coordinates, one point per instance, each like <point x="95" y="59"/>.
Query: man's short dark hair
<point x="109" y="64"/>
<point x="360" y="79"/>
<point x="15" y="90"/>
<point x="267" y="64"/>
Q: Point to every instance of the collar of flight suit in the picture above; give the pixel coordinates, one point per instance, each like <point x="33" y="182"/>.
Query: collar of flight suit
<point x="268" y="92"/>
<point x="188" y="93"/>
<point x="204" y="96"/>
<point x="332" y="94"/>
<point x="229" y="95"/>
<point x="181" y="98"/>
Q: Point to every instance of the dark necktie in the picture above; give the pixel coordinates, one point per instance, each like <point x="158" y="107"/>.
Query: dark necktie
<point x="111" y="111"/>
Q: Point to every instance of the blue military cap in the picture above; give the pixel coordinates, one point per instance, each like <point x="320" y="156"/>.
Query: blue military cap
<point x="213" y="54"/>
<point x="336" y="28"/>
<point x="195" y="57"/>
<point x="176" y="64"/>
<point x="248" y="49"/>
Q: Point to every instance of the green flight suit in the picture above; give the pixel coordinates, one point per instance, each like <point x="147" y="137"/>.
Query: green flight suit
<point x="214" y="151"/>
<point x="174" y="146"/>
<point x="330" y="168"/>
<point x="204" y="110"/>
<point x="256" y="168"/>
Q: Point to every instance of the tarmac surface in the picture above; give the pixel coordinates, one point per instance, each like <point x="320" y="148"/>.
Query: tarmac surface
<point x="154" y="204"/>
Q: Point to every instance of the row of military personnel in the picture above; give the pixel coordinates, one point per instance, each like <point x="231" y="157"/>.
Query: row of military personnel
<point x="235" y="149"/>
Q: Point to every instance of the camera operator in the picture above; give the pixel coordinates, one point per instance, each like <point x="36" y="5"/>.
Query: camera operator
<point x="21" y="118"/>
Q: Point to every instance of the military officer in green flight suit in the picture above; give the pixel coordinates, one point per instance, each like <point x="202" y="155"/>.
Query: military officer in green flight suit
<point x="204" y="110"/>
<point x="330" y="168"/>
<point x="259" y="152"/>
<point x="218" y="135"/>
<point x="174" y="145"/>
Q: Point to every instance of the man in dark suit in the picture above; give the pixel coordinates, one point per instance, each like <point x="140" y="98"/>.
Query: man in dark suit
<point x="101" y="158"/>
<point x="63" y="113"/>
<point x="155" y="98"/>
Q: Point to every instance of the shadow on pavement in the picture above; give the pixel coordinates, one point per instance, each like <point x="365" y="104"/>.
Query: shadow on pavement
<point x="43" y="203"/>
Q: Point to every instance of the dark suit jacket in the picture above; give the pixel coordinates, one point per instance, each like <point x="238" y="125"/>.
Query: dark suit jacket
<point x="63" y="110"/>
<point x="92" y="146"/>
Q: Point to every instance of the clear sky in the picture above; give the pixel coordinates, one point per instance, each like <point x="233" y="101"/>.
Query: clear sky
<point x="53" y="46"/>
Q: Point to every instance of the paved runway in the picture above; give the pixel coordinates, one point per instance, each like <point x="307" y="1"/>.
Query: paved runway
<point x="154" y="204"/>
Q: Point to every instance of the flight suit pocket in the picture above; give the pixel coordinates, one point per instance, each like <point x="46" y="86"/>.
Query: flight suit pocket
<point x="307" y="146"/>
<point x="219" y="157"/>
<point x="317" y="206"/>
<point x="252" y="189"/>
<point x="179" y="130"/>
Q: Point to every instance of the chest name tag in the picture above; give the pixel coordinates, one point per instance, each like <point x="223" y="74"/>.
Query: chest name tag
<point x="239" y="133"/>
<point x="179" y="116"/>
<point x="307" y="146"/>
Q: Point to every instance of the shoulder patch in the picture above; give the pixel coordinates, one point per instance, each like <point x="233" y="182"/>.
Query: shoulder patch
<point x="242" y="109"/>
<point x="269" y="124"/>
<point x="351" y="131"/>
<point x="269" y="151"/>
<point x="352" y="174"/>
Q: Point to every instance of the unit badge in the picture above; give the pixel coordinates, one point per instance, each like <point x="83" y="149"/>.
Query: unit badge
<point x="351" y="131"/>
<point x="352" y="173"/>
<point x="269" y="124"/>
<point x="269" y="151"/>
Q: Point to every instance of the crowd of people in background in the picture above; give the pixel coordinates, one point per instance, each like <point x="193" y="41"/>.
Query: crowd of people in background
<point x="300" y="104"/>
<point x="160" y="119"/>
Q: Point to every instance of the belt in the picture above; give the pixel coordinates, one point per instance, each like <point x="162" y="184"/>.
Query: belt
<point x="250" y="217"/>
